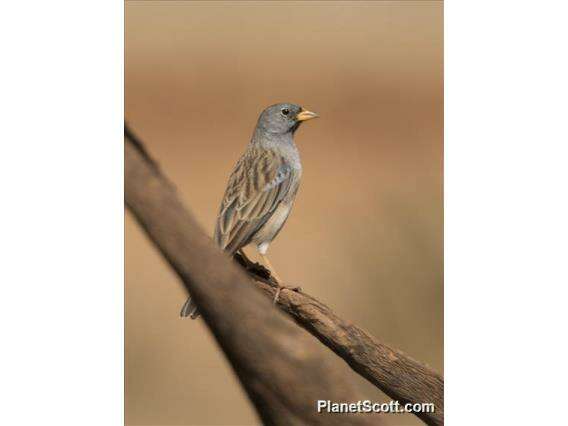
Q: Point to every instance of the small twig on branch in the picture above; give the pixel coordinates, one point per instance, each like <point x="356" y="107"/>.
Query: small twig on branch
<point x="153" y="201"/>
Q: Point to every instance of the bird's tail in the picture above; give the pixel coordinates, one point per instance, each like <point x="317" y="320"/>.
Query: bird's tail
<point x="189" y="309"/>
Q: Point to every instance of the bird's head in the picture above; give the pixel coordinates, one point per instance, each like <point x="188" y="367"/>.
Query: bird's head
<point x="283" y="118"/>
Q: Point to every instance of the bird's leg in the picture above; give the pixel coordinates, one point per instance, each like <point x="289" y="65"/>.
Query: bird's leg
<point x="279" y="286"/>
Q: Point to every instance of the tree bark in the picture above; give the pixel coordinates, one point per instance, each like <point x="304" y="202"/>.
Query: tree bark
<point x="283" y="369"/>
<point x="396" y="374"/>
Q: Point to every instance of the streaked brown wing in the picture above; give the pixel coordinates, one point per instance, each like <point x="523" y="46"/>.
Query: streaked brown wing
<point x="260" y="180"/>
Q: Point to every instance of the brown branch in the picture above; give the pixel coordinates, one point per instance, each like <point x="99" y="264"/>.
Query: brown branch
<point x="399" y="376"/>
<point x="396" y="374"/>
<point x="283" y="370"/>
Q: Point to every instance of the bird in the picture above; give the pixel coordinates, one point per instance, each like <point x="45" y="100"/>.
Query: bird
<point x="262" y="188"/>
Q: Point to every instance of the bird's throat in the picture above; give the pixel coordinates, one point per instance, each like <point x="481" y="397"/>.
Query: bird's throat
<point x="269" y="140"/>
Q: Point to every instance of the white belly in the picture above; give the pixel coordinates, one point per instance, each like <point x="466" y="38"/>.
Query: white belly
<point x="268" y="232"/>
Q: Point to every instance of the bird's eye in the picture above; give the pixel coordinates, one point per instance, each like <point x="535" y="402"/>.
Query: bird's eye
<point x="285" y="111"/>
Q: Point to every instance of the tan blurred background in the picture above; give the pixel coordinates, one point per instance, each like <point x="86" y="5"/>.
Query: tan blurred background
<point x="365" y="235"/>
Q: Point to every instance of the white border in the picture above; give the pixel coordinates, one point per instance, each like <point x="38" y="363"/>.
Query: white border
<point x="506" y="212"/>
<point x="61" y="168"/>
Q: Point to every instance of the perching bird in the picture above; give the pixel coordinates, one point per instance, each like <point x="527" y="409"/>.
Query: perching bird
<point x="262" y="187"/>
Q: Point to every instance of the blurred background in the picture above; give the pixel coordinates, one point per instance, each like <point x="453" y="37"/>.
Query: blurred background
<point x="366" y="232"/>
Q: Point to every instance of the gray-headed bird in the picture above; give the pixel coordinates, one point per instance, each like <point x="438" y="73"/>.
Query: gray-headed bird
<point x="261" y="188"/>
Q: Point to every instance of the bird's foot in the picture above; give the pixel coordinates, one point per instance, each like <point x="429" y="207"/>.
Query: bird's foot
<point x="279" y="289"/>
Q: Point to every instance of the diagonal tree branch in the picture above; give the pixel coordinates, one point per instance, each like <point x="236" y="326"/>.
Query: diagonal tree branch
<point x="283" y="370"/>
<point x="398" y="375"/>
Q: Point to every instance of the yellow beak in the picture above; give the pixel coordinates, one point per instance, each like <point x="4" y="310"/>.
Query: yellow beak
<point x="304" y="115"/>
